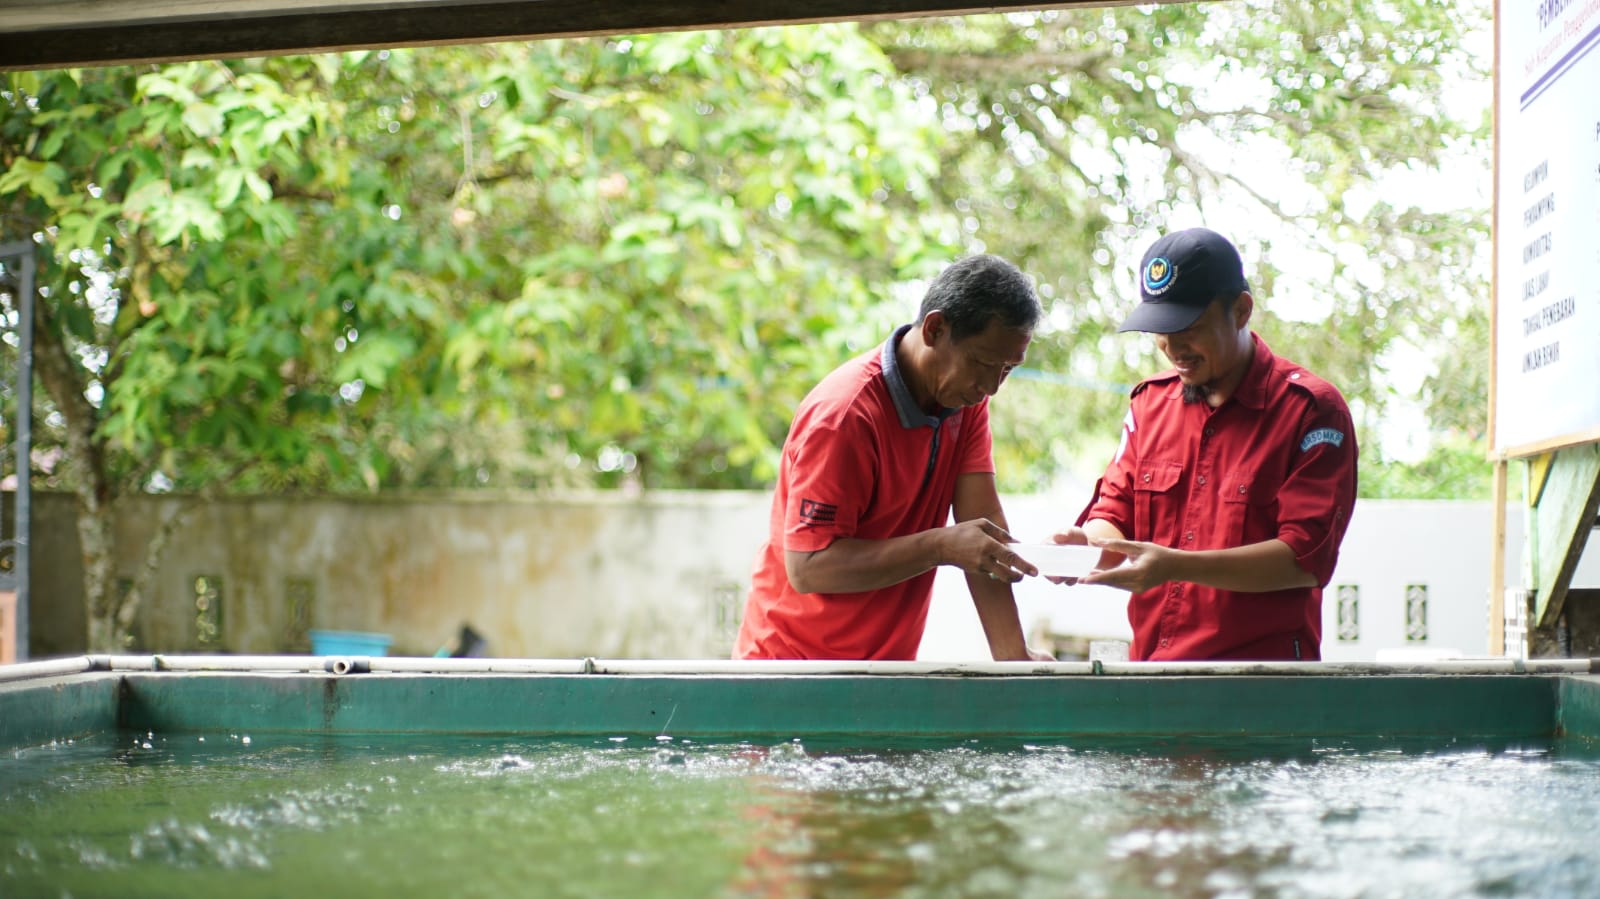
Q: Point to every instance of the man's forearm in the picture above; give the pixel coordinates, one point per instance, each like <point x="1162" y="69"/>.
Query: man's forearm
<point x="1257" y="568"/>
<point x="1102" y="529"/>
<point x="851" y="565"/>
<point x="997" y="612"/>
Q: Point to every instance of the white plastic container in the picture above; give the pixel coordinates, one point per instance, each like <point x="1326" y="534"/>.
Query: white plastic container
<point x="1059" y="559"/>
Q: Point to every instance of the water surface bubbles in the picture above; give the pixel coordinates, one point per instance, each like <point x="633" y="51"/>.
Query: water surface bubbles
<point x="1087" y="817"/>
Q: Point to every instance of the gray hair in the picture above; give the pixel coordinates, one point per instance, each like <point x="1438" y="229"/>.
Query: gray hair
<point x="974" y="290"/>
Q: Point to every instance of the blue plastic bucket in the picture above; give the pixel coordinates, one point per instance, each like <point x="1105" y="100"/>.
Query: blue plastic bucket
<point x="349" y="643"/>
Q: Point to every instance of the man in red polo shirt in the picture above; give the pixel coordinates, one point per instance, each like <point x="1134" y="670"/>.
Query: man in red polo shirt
<point x="1229" y="496"/>
<point x="879" y="454"/>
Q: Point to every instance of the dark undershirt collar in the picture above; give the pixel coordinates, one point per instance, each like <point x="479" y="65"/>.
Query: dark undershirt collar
<point x="911" y="415"/>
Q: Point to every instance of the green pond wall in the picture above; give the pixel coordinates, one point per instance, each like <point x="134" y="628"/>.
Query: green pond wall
<point x="34" y="712"/>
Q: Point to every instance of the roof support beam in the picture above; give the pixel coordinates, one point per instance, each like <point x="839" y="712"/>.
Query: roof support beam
<point x="46" y="34"/>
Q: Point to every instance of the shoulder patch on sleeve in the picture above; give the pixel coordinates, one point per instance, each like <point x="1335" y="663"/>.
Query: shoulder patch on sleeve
<point x="1321" y="435"/>
<point x="815" y="513"/>
<point x="1128" y="427"/>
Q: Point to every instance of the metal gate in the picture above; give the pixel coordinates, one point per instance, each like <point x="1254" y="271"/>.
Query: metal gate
<point x="17" y="267"/>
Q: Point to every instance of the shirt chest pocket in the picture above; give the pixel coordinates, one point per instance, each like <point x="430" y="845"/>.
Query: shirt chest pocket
<point x="1157" y="503"/>
<point x="1249" y="509"/>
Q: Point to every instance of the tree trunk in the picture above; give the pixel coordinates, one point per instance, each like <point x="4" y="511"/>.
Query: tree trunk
<point x="64" y="382"/>
<point x="95" y="534"/>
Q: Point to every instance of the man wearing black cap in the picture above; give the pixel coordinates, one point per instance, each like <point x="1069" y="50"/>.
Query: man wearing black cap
<point x="1230" y="493"/>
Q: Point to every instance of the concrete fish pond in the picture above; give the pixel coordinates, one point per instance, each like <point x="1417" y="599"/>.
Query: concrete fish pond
<point x="188" y="775"/>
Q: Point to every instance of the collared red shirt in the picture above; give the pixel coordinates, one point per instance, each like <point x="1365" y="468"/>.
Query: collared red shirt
<point x="1277" y="460"/>
<point x="861" y="460"/>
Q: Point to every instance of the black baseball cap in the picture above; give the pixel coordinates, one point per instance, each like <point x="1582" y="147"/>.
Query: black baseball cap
<point x="1180" y="275"/>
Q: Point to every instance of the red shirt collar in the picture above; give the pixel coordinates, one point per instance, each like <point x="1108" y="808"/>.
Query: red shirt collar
<point x="1252" y="390"/>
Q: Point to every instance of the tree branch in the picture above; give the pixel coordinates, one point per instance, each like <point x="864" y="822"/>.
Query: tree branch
<point x="63" y="381"/>
<point x="993" y="65"/>
<point x="1051" y="144"/>
<point x="128" y="605"/>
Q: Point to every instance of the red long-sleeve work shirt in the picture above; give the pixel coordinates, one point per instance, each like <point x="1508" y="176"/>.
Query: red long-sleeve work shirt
<point x="1277" y="460"/>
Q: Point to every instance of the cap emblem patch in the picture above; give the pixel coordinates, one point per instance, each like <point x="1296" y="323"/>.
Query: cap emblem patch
<point x="1158" y="276"/>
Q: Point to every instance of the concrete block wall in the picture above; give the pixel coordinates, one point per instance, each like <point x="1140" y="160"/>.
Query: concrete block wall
<point x="662" y="575"/>
<point x="657" y="576"/>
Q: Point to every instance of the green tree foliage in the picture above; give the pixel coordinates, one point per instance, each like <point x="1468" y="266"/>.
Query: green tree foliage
<point x="458" y="267"/>
<point x="590" y="261"/>
<point x="1300" y="129"/>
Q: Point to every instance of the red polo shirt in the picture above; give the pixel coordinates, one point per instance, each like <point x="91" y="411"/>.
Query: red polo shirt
<point x="861" y="460"/>
<point x="1278" y="459"/>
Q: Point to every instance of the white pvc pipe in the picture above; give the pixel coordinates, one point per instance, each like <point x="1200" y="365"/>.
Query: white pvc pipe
<point x="968" y="669"/>
<point x="1436" y="667"/>
<point x="764" y="668"/>
<point x="818" y="667"/>
<point x="418" y="665"/>
<point x="49" y="668"/>
<point x="165" y="662"/>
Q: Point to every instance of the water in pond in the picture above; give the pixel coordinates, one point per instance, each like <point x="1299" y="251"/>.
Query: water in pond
<point x="280" y="815"/>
